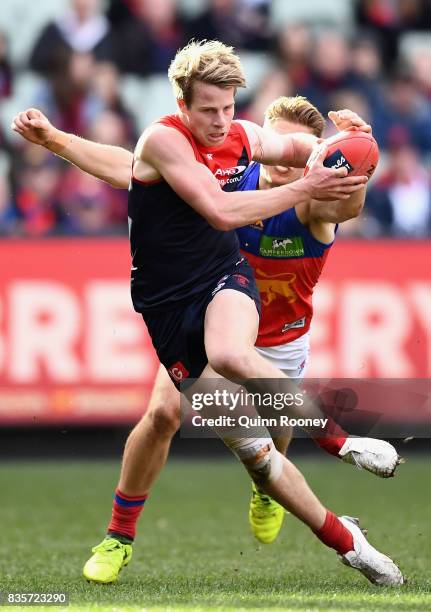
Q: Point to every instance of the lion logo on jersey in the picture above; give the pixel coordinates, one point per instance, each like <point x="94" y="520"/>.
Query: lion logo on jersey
<point x="273" y="286"/>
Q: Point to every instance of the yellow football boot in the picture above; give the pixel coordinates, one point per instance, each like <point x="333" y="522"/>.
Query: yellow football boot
<point x="265" y="516"/>
<point x="109" y="557"/>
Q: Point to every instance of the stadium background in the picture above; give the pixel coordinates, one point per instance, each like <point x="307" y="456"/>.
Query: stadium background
<point x="76" y="365"/>
<point x="72" y="351"/>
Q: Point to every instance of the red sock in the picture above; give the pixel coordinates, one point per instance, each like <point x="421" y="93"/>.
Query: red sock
<point x="335" y="535"/>
<point x="125" y="513"/>
<point x="333" y="440"/>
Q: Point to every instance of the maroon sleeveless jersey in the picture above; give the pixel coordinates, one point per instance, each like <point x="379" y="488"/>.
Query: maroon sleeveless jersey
<point x="176" y="253"/>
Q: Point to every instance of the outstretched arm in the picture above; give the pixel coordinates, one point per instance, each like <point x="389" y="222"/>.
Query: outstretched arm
<point x="111" y="164"/>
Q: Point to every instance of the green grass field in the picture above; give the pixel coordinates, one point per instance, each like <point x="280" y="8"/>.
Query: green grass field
<point x="194" y="550"/>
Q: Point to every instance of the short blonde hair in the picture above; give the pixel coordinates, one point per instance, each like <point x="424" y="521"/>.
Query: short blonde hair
<point x="208" y="61"/>
<point x="296" y="109"/>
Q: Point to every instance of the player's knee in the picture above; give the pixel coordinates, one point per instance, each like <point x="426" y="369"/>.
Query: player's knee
<point x="260" y="458"/>
<point x="165" y="417"/>
<point x="230" y="362"/>
<point x="265" y="466"/>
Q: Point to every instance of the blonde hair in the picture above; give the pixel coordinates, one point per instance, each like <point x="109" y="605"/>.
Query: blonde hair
<point x="208" y="61"/>
<point x="296" y="109"/>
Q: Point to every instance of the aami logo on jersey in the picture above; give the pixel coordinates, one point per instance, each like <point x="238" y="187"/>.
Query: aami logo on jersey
<point x="178" y="372"/>
<point x="222" y="172"/>
<point x="337" y="160"/>
<point x="271" y="246"/>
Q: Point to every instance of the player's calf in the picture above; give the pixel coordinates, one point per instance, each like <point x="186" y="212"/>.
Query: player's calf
<point x="264" y="463"/>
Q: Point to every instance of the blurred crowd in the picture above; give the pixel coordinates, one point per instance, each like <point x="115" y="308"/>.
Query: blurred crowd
<point x="83" y="54"/>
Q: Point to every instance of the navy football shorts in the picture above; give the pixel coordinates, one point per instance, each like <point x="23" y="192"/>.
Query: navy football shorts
<point x="178" y="335"/>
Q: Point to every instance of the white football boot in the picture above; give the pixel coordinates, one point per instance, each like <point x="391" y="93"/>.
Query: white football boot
<point x="378" y="568"/>
<point x="376" y="456"/>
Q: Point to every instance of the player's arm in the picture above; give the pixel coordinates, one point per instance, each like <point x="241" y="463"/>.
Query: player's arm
<point x="106" y="162"/>
<point x="338" y="211"/>
<point x="271" y="148"/>
<point x="166" y="151"/>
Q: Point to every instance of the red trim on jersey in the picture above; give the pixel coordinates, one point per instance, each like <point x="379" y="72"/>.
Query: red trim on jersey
<point x="153" y="182"/>
<point x="245" y="138"/>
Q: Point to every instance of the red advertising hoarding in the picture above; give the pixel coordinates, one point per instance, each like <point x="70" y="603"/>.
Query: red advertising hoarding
<point x="373" y="311"/>
<point x="72" y="350"/>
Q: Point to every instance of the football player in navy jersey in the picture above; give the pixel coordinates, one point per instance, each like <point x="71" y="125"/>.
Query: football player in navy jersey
<point x="202" y="327"/>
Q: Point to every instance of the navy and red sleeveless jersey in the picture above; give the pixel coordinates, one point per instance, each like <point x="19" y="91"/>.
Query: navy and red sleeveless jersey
<point x="287" y="262"/>
<point x="176" y="253"/>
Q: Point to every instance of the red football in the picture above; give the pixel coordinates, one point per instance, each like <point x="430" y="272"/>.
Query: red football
<point x="357" y="151"/>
